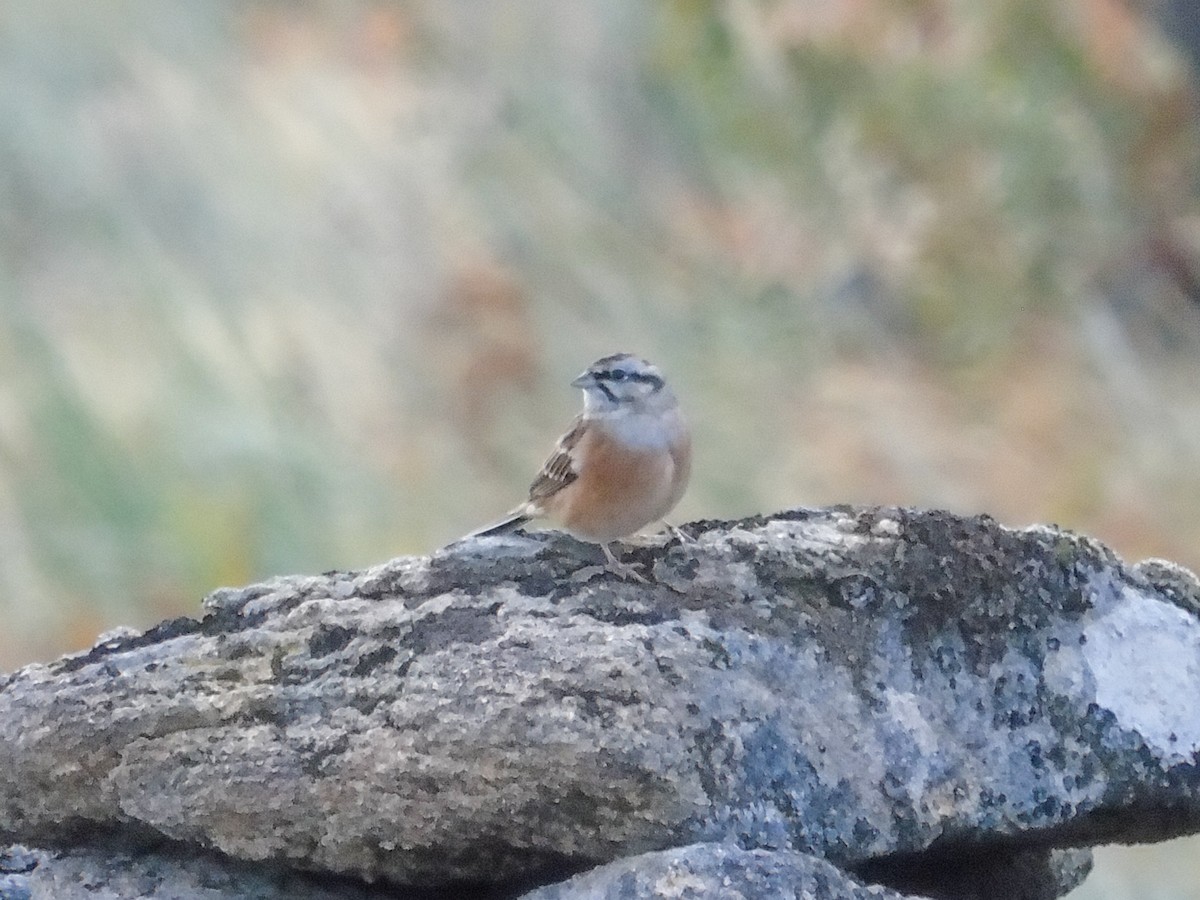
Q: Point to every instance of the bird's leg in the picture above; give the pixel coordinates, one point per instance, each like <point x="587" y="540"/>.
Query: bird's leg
<point x="682" y="536"/>
<point x="622" y="569"/>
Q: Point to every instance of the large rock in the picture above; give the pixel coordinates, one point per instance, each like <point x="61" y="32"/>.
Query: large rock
<point x="922" y="700"/>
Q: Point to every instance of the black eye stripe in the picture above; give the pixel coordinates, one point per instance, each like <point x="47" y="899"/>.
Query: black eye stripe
<point x="619" y="375"/>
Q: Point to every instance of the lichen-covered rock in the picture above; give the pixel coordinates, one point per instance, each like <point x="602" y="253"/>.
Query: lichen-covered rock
<point x="867" y="686"/>
<point x="715" y="870"/>
<point x="165" y="874"/>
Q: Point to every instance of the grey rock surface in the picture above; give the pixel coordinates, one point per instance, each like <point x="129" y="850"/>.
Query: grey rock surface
<point x="715" y="870"/>
<point x="115" y="874"/>
<point x="874" y="687"/>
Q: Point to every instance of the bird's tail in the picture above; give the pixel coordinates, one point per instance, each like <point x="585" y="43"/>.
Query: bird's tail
<point x="514" y="519"/>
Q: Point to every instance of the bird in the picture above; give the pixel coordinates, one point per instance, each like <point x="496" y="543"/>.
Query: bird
<point x="623" y="463"/>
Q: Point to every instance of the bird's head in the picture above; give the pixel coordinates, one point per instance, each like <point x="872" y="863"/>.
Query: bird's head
<point x="623" y="382"/>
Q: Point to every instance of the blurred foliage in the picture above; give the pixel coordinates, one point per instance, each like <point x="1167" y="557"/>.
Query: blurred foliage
<point x="288" y="287"/>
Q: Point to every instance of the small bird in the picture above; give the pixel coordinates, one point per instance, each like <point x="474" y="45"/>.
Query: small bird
<point x="622" y="464"/>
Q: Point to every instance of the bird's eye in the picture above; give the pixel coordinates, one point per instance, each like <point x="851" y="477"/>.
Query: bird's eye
<point x="617" y="376"/>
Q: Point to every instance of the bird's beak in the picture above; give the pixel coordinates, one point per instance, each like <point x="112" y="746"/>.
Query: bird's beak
<point x="585" y="380"/>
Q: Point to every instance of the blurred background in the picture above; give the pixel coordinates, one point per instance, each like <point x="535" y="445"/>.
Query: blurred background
<point x="293" y="286"/>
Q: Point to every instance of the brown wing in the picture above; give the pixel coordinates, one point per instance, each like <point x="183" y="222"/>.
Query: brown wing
<point x="560" y="469"/>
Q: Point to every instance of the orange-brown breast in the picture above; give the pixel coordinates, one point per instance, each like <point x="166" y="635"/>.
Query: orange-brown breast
<point x="618" y="491"/>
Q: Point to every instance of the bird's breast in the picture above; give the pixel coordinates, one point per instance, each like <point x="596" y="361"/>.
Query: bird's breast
<point x="619" y="489"/>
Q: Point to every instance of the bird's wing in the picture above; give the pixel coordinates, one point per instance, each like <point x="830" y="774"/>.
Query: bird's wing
<point x="562" y="467"/>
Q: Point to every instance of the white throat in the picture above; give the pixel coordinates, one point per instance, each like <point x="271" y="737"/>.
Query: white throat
<point x="644" y="429"/>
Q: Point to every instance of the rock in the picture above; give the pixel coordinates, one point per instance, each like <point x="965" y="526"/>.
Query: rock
<point x="15" y="865"/>
<point x="915" y="697"/>
<point x="714" y="870"/>
<point x="92" y="874"/>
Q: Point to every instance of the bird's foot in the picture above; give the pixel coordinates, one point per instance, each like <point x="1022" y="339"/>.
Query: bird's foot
<point x="620" y="569"/>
